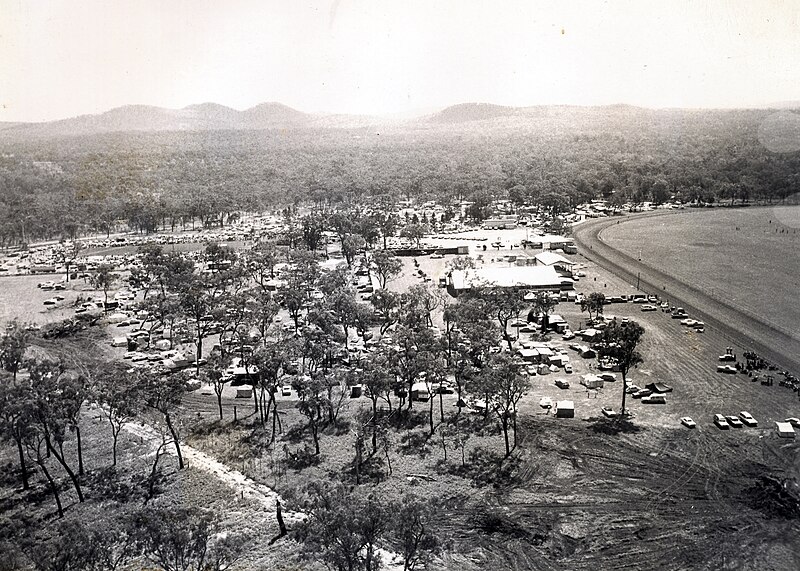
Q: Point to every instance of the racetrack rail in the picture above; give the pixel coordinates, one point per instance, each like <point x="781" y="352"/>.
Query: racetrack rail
<point x="735" y="324"/>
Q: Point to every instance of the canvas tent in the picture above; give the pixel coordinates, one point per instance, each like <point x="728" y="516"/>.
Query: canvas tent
<point x="592" y="381"/>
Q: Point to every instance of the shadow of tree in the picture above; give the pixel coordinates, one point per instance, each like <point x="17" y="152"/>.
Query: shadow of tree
<point x="373" y="470"/>
<point x="109" y="484"/>
<point x="612" y="426"/>
<point x="302" y="458"/>
<point x="485" y="467"/>
<point x="415" y="442"/>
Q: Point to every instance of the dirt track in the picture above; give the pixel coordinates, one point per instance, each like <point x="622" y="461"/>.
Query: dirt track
<point x="744" y="330"/>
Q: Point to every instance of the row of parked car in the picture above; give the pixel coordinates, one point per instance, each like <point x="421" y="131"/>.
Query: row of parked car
<point x="723" y="422"/>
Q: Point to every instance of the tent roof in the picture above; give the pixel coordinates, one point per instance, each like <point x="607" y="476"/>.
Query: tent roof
<point x="516" y="276"/>
<point x="551" y="258"/>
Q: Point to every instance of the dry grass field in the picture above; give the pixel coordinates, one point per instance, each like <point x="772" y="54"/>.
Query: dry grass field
<point x="746" y="256"/>
<point x="21" y="299"/>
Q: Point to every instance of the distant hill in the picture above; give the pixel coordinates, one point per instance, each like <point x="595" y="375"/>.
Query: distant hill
<point x="201" y="117"/>
<point x="473" y="112"/>
<point x="464" y="117"/>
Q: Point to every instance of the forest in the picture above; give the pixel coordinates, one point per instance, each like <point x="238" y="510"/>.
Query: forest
<point x="61" y="187"/>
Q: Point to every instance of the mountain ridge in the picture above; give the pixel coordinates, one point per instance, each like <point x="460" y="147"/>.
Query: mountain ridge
<point x="210" y="116"/>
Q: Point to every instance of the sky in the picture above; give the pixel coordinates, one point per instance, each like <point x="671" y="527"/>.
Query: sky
<point x="63" y="58"/>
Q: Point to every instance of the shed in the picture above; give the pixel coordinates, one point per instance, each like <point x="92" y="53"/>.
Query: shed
<point x="565" y="409"/>
<point x="588" y="334"/>
<point x="420" y="391"/>
<point x="784" y="429"/>
<point x="244" y="393"/>
<point x="119" y="342"/>
<point x="529" y="355"/>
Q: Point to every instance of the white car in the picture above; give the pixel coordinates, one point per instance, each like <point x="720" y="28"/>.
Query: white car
<point x="568" y="368"/>
<point x="721" y="423"/>
<point x="609" y="412"/>
<point x="747" y="419"/>
<point x="688" y="422"/>
<point x="648" y="307"/>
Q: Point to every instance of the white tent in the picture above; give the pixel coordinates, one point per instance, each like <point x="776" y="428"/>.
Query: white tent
<point x="592" y="381"/>
<point x="784" y="429"/>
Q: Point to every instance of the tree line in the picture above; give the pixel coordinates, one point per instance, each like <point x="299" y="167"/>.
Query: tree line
<point x="149" y="181"/>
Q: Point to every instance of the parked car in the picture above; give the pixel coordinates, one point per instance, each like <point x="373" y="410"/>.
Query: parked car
<point x="286" y="390"/>
<point x="609" y="412"/>
<point x="562" y="384"/>
<point x="642" y="393"/>
<point x="568" y="368"/>
<point x="734" y="421"/>
<point x="721" y="423"/>
<point x="688" y="422"/>
<point x="546" y="402"/>
<point x="648" y="307"/>
<point x="794" y="421"/>
<point x="748" y="419"/>
<point x="728" y="369"/>
<point x="656" y="398"/>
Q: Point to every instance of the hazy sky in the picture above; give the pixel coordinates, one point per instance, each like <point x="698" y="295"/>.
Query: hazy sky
<point x="61" y="58"/>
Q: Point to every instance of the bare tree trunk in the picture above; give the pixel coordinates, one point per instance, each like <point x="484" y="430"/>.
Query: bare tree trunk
<point x="67" y="469"/>
<point x="430" y="413"/>
<point x="504" y="423"/>
<point x="80" y="449"/>
<point x="23" y="467"/>
<point x="151" y="480"/>
<point x="40" y="461"/>
<point x="174" y="434"/>
<point x="115" y="436"/>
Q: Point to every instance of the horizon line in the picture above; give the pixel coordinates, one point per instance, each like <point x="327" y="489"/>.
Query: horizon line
<point x="422" y="112"/>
